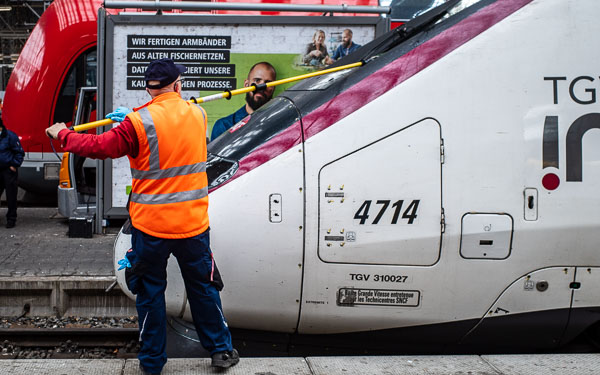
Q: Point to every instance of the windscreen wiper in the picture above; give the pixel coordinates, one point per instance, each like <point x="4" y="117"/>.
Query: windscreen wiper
<point x="409" y="29"/>
<point x="428" y="18"/>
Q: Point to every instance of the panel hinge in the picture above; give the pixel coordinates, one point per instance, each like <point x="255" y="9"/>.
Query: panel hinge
<point x="443" y="221"/>
<point x="441" y="150"/>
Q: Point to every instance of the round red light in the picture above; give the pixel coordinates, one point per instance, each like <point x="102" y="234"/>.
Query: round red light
<point x="550" y="181"/>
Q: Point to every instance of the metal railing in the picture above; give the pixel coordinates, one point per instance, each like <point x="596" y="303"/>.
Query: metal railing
<point x="264" y="7"/>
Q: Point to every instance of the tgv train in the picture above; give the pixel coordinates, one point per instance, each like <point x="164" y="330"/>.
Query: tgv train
<point x="443" y="193"/>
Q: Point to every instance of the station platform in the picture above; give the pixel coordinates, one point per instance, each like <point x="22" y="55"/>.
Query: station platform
<point x="543" y="364"/>
<point x="39" y="246"/>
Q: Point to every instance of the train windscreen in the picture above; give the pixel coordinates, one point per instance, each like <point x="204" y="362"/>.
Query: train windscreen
<point x="297" y="101"/>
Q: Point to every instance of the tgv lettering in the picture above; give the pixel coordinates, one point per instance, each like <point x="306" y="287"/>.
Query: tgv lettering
<point x="581" y="80"/>
<point x="359" y="276"/>
<point x="574" y="143"/>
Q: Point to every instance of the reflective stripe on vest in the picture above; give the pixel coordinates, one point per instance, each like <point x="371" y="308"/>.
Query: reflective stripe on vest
<point x="169" y="172"/>
<point x="182" y="196"/>
<point x="155" y="173"/>
<point x="148" y="122"/>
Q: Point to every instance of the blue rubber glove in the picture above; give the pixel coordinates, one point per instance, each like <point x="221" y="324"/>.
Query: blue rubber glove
<point x="124" y="263"/>
<point x="118" y="115"/>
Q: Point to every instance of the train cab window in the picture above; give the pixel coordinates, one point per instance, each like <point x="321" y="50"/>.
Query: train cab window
<point x="82" y="73"/>
<point x="90" y="68"/>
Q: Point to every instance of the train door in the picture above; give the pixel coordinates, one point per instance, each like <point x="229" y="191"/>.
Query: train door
<point x="378" y="211"/>
<point x="39" y="171"/>
<point x="77" y="192"/>
<point x="81" y="74"/>
<point x="381" y="203"/>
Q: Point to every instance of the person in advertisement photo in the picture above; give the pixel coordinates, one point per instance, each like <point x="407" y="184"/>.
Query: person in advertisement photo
<point x="346" y="47"/>
<point x="262" y="72"/>
<point x="316" y="52"/>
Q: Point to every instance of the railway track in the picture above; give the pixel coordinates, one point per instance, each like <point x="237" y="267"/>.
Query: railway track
<point x="112" y="342"/>
<point x="68" y="343"/>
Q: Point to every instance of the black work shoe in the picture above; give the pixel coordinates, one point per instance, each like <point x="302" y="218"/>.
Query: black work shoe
<point x="145" y="372"/>
<point x="225" y="359"/>
<point x="10" y="224"/>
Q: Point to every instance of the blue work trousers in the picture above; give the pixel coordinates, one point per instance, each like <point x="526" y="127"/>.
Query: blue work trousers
<point x="149" y="257"/>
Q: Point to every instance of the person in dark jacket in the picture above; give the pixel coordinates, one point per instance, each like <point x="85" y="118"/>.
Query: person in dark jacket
<point x="11" y="158"/>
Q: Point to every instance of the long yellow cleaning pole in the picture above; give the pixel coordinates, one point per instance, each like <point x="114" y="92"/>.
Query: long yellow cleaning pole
<point x="228" y="94"/>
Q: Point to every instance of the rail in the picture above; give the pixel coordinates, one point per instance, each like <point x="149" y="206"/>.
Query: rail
<point x="68" y="343"/>
<point x="83" y="337"/>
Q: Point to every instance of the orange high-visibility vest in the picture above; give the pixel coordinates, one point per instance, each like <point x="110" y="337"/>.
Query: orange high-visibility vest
<point x="169" y="192"/>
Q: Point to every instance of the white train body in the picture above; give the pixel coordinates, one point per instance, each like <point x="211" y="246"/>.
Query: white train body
<point x="441" y="189"/>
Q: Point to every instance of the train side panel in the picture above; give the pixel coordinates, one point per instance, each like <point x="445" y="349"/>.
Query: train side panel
<point x="492" y="97"/>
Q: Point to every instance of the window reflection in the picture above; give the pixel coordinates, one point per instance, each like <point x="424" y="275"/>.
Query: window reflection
<point x="229" y="148"/>
<point x="268" y="121"/>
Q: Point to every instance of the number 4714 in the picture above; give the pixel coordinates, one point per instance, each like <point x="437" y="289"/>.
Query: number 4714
<point x="410" y="213"/>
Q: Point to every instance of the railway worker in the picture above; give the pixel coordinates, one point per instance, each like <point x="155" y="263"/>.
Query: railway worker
<point x="259" y="73"/>
<point x="11" y="158"/>
<point x="165" y="140"/>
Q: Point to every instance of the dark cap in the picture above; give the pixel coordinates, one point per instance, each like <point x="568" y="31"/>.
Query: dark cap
<point x="163" y="70"/>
